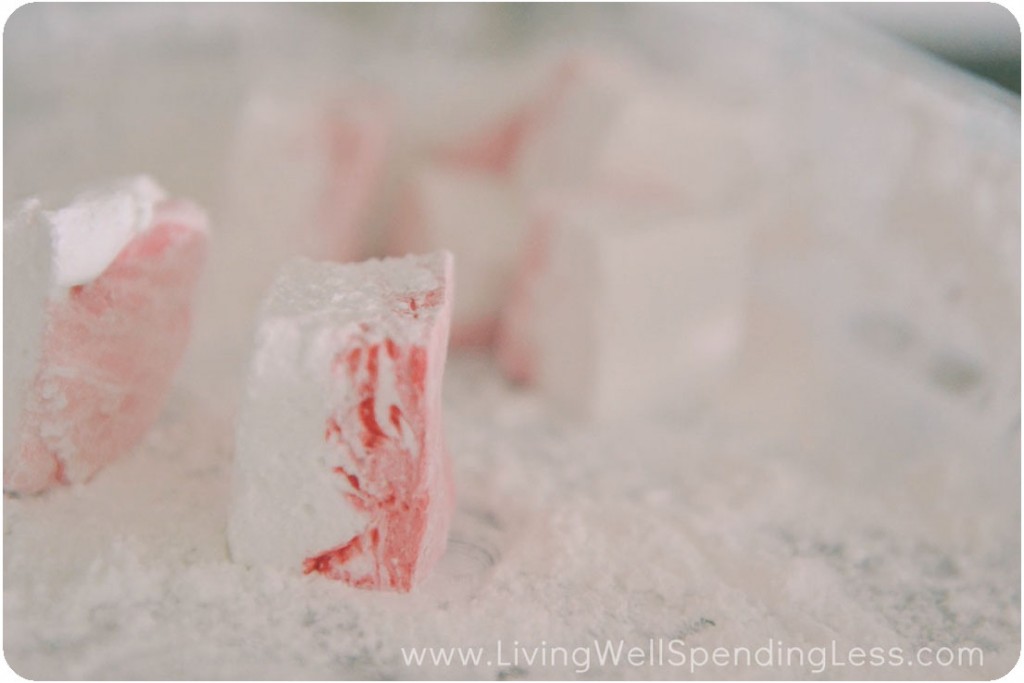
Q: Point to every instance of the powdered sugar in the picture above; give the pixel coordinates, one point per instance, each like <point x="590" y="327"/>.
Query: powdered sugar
<point x="342" y="296"/>
<point x="95" y="226"/>
<point x="91" y="364"/>
<point x="341" y="467"/>
<point x="696" y="538"/>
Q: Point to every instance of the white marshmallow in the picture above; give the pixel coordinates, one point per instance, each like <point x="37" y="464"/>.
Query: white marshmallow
<point x="480" y="219"/>
<point x="340" y="466"/>
<point x="97" y="317"/>
<point x="636" y="305"/>
<point x="610" y="129"/>
<point x="303" y="172"/>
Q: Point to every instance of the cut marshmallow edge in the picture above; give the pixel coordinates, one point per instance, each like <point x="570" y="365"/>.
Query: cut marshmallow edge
<point x="92" y="229"/>
<point x="340" y="467"/>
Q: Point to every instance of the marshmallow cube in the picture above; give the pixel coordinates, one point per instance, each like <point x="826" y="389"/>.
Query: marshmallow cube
<point x="632" y="306"/>
<point x="496" y="143"/>
<point x="610" y="128"/>
<point x="340" y="466"/>
<point x="303" y="176"/>
<point x="480" y="219"/>
<point x="492" y="149"/>
<point x="515" y="346"/>
<point x="97" y="315"/>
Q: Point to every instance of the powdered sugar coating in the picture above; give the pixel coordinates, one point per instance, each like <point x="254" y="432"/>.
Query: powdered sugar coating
<point x="92" y="363"/>
<point x="340" y="462"/>
<point x="96" y="225"/>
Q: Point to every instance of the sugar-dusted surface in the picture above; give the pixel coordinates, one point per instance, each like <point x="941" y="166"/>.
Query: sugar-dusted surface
<point x="322" y="293"/>
<point x="709" y="528"/>
<point x="341" y="468"/>
<point x="96" y="225"/>
<point x="101" y="361"/>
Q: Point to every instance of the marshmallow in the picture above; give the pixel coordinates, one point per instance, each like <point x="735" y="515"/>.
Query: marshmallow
<point x="303" y="176"/>
<point x="340" y="467"/>
<point x="494" y="147"/>
<point x="479" y="218"/>
<point x="515" y="346"/>
<point x="302" y="180"/>
<point x="624" y="306"/>
<point x="606" y="126"/>
<point x="495" y="142"/>
<point x="97" y="318"/>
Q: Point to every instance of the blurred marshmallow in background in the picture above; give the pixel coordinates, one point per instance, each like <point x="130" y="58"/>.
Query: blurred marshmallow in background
<point x="877" y="188"/>
<point x="345" y="133"/>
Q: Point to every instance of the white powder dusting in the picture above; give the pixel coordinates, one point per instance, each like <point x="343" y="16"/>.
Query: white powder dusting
<point x="327" y="294"/>
<point x="695" y="527"/>
<point x="96" y="225"/>
<point x="288" y="503"/>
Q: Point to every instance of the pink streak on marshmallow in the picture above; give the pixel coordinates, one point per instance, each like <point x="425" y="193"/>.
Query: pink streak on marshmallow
<point x="495" y="147"/>
<point x="475" y="335"/>
<point x="304" y="173"/>
<point x="110" y="350"/>
<point x="341" y="468"/>
<point x="387" y="477"/>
